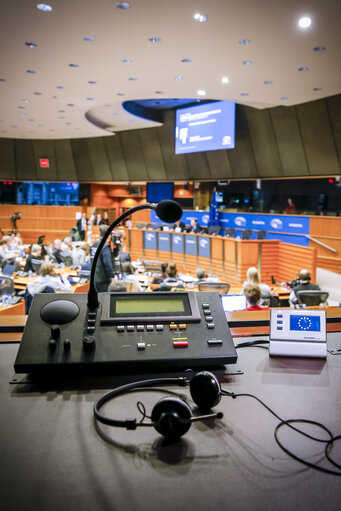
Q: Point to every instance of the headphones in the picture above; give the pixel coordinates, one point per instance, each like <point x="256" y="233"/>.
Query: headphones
<point x="171" y="417"/>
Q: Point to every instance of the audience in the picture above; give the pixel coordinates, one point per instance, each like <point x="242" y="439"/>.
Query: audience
<point x="117" y="286"/>
<point x="48" y="278"/>
<point x="81" y="255"/>
<point x="252" y="294"/>
<point x="128" y="275"/>
<point x="252" y="277"/>
<point x="35" y="254"/>
<point x="304" y="285"/>
<point x="171" y="282"/>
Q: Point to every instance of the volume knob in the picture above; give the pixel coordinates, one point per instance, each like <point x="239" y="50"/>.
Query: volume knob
<point x="89" y="343"/>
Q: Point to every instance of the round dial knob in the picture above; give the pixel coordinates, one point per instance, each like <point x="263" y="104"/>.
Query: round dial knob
<point x="89" y="343"/>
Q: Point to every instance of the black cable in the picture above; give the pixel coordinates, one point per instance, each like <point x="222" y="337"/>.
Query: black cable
<point x="252" y="343"/>
<point x="329" y="443"/>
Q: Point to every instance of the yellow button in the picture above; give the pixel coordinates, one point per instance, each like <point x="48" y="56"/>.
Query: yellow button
<point x="173" y="327"/>
<point x="182" y="326"/>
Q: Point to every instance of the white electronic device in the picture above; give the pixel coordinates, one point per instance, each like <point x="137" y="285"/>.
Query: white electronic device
<point x="298" y="333"/>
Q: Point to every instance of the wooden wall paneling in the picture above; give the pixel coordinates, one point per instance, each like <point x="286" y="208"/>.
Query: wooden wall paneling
<point x="325" y="225"/>
<point x="329" y="263"/>
<point x="334" y="111"/>
<point x="136" y="244"/>
<point x="217" y="259"/>
<point x="175" y="164"/>
<point x="150" y="255"/>
<point x="45" y="149"/>
<point x="289" y="141"/>
<point x="318" y="139"/>
<point x="219" y="164"/>
<point x="65" y="163"/>
<point x="334" y="243"/>
<point x="152" y="154"/>
<point x="241" y="157"/>
<point x="191" y="264"/>
<point x="99" y="159"/>
<point x="178" y="259"/>
<point x="264" y="142"/>
<point x="133" y="155"/>
<point x="26" y="169"/>
<point x="293" y="258"/>
<point x="7" y="159"/>
<point x="82" y="159"/>
<point x="269" y="261"/>
<point x="114" y="150"/>
<point x="247" y="257"/>
<point x="203" y="262"/>
<point x="230" y="250"/>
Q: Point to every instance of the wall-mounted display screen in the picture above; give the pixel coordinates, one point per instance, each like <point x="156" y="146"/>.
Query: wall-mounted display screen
<point x="54" y="194"/>
<point x="157" y="192"/>
<point x="205" y="127"/>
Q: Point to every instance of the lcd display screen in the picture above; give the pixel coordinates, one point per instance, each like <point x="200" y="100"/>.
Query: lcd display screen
<point x="305" y="323"/>
<point x="148" y="306"/>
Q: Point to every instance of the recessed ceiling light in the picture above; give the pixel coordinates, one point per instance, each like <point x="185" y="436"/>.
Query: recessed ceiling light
<point x="244" y="41"/>
<point x="154" y="39"/>
<point x="90" y="99"/>
<point x="178" y="78"/>
<point x="31" y="45"/>
<point x="303" y="68"/>
<point x="304" y="22"/>
<point x="68" y="123"/>
<point x="38" y="93"/>
<point x="225" y="79"/>
<point x="201" y="92"/>
<point x="51" y="129"/>
<point x="73" y="65"/>
<point x="70" y="135"/>
<point x="70" y="104"/>
<point x="158" y="92"/>
<point x="284" y="98"/>
<point x="186" y="61"/>
<point x="244" y="94"/>
<point x="317" y="88"/>
<point x="41" y="125"/>
<point x="126" y="61"/>
<point x="267" y="82"/>
<point x="122" y="5"/>
<point x="114" y="113"/>
<point x="120" y="94"/>
<point x="2" y="80"/>
<point x="201" y="18"/>
<point x="60" y="87"/>
<point x="31" y="120"/>
<point x="88" y="39"/>
<point x="25" y="100"/>
<point x="61" y="111"/>
<point x="44" y="7"/>
<point x="107" y="106"/>
<point x="92" y="82"/>
<point x="61" y="117"/>
<point x="21" y="107"/>
<point x="247" y="62"/>
<point x="132" y="79"/>
<point x="23" y="114"/>
<point x="30" y="71"/>
<point x="319" y="48"/>
<point x="14" y="126"/>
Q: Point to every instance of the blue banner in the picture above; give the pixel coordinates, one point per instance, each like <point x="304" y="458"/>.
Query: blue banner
<point x="149" y="240"/>
<point x="164" y="241"/>
<point x="191" y="244"/>
<point x="276" y="223"/>
<point x="202" y="217"/>
<point x="204" y="246"/>
<point x="178" y="243"/>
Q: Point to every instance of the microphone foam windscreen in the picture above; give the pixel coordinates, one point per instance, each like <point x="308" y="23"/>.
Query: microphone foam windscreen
<point x="169" y="211"/>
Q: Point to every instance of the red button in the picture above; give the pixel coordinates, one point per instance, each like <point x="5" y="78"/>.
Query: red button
<point x="180" y="344"/>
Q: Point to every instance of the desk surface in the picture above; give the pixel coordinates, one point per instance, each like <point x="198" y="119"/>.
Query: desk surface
<point x="52" y="457"/>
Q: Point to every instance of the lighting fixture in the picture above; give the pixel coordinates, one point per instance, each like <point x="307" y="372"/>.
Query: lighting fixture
<point x="25" y="100"/>
<point x="225" y="79"/>
<point x="284" y="98"/>
<point x="304" y="22"/>
<point x="38" y="93"/>
<point x="122" y="5"/>
<point x="60" y="87"/>
<point x="120" y="94"/>
<point x="154" y="39"/>
<point x="30" y="71"/>
<point x="244" y="41"/>
<point x="201" y="18"/>
<point x="201" y="92"/>
<point x="126" y="61"/>
<point x="178" y="78"/>
<point x="317" y="89"/>
<point x="92" y="82"/>
<point x="73" y="65"/>
<point x="158" y="92"/>
<point x="44" y="7"/>
<point x="303" y="68"/>
<point x="89" y="99"/>
<point x="31" y="45"/>
<point x="131" y="79"/>
<point x="2" y="80"/>
<point x="319" y="48"/>
<point x="247" y="62"/>
<point x="244" y="94"/>
<point x="88" y="39"/>
<point x="267" y="82"/>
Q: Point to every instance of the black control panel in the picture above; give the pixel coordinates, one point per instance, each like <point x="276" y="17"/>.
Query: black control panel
<point x="127" y="332"/>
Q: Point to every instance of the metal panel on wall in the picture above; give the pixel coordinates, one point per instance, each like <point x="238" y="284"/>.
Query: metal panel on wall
<point x="64" y="160"/>
<point x="83" y="164"/>
<point x="7" y="161"/>
<point x="24" y="155"/>
<point x="133" y="154"/>
<point x="241" y="157"/>
<point x="99" y="159"/>
<point x="118" y="166"/>
<point x="176" y="166"/>
<point x="152" y="154"/>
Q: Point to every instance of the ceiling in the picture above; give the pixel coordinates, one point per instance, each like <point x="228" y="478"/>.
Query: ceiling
<point x="72" y="81"/>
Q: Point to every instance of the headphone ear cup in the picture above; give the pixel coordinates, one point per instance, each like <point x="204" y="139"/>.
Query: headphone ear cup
<point x="171" y="417"/>
<point x="205" y="390"/>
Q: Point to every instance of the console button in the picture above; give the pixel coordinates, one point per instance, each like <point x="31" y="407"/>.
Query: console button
<point x="52" y="344"/>
<point x="91" y="322"/>
<point x="67" y="344"/>
<point x="210" y="325"/>
<point x="120" y="328"/>
<point x="159" y="328"/>
<point x="149" y="328"/>
<point x="173" y="327"/>
<point x="180" y="344"/>
<point x="141" y="345"/>
<point x="92" y="315"/>
<point x="90" y="329"/>
<point x="209" y="319"/>
<point x="182" y="326"/>
<point x="214" y="342"/>
<point x="205" y="305"/>
<point x="140" y="328"/>
<point x="207" y="312"/>
<point x="130" y="328"/>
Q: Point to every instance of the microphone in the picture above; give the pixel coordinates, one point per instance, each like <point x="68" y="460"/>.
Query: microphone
<point x="167" y="210"/>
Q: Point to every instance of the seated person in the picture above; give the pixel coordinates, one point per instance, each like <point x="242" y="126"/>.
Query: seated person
<point x="105" y="219"/>
<point x="81" y="255"/>
<point x="128" y="272"/>
<point x="48" y="278"/>
<point x="124" y="256"/>
<point x="57" y="250"/>
<point x="155" y="284"/>
<point x="304" y="285"/>
<point x="252" y="294"/>
<point x="194" y="226"/>
<point x="117" y="286"/>
<point x="179" y="226"/>
<point x="35" y="254"/>
<point x="171" y="281"/>
<point x="252" y="277"/>
<point x="200" y="274"/>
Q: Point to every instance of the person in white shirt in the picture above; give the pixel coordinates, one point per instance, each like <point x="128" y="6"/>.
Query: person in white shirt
<point x="47" y="278"/>
<point x="129" y="275"/>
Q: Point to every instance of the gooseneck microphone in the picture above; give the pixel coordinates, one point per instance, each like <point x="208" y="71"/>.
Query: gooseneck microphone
<point x="167" y="210"/>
